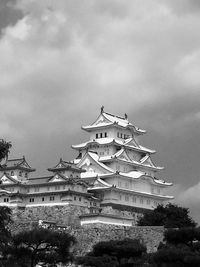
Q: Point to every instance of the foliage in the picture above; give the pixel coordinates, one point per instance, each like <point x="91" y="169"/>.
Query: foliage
<point x="5" y="219"/>
<point x="115" y="253"/>
<point x="4" y="149"/>
<point x="39" y="245"/>
<point x="170" y="216"/>
<point x="182" y="248"/>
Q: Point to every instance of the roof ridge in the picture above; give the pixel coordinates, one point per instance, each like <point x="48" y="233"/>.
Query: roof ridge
<point x="123" y="118"/>
<point x="15" y="159"/>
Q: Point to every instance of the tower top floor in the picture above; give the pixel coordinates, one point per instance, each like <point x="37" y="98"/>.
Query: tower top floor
<point x="108" y="120"/>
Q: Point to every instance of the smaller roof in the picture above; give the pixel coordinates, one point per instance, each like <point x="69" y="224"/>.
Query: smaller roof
<point x="138" y="174"/>
<point x="56" y="178"/>
<point x="13" y="164"/>
<point x="93" y="157"/>
<point x="8" y="179"/>
<point x="107" y="119"/>
<point x="4" y="192"/>
<point x="65" y="165"/>
<point x="129" y="143"/>
<point x="123" y="156"/>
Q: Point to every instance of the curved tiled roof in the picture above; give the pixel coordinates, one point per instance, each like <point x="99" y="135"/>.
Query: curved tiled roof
<point x="109" y="119"/>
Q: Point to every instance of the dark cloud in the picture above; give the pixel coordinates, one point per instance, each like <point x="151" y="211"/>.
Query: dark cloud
<point x="9" y="14"/>
<point x="184" y="7"/>
<point x="64" y="59"/>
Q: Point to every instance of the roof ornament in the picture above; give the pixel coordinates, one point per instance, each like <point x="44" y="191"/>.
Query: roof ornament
<point x="102" y="109"/>
<point x="126" y="116"/>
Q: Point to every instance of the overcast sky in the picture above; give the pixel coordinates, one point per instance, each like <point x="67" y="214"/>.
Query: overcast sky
<point x="60" y="61"/>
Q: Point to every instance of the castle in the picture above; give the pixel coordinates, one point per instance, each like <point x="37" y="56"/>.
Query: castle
<point x="113" y="176"/>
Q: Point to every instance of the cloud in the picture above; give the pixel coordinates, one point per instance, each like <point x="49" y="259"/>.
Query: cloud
<point x="190" y="198"/>
<point x="61" y="60"/>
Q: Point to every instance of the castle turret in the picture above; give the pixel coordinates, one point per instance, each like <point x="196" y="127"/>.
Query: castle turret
<point x="122" y="170"/>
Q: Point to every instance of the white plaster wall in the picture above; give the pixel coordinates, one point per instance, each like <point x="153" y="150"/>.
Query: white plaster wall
<point x="130" y="199"/>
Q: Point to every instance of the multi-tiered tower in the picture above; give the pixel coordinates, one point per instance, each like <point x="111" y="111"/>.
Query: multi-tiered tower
<point x="120" y="170"/>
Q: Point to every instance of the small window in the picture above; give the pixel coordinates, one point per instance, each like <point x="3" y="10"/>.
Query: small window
<point x="31" y="199"/>
<point x="20" y="173"/>
<point x="97" y="136"/>
<point x="42" y="198"/>
<point x="148" y="201"/>
<point x="57" y="187"/>
<point x="52" y="198"/>
<point x="36" y="189"/>
<point x="120" y="197"/>
<point x="118" y="134"/>
<point x="126" y="198"/>
<point x="79" y="198"/>
<point x="26" y="175"/>
<point x="141" y="201"/>
<point x="63" y="186"/>
<point x="74" y="197"/>
<point x="12" y="173"/>
<point x="105" y="135"/>
<point x="101" y="135"/>
<point x="6" y="200"/>
<point x="134" y="199"/>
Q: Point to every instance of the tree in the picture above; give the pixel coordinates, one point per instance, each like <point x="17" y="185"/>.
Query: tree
<point x="40" y="245"/>
<point x="5" y="219"/>
<point x="182" y="248"/>
<point x="115" y="253"/>
<point x="4" y="149"/>
<point x="170" y="216"/>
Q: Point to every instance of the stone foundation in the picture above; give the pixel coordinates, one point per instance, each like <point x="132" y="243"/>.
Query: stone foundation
<point x="86" y="235"/>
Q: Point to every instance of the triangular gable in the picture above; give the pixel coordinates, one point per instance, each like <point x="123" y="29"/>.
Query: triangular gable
<point x="7" y="179"/>
<point x="131" y="142"/>
<point x="100" y="120"/>
<point x="57" y="178"/>
<point x="60" y="165"/>
<point x="100" y="183"/>
<point x="123" y="155"/>
<point x="147" y="161"/>
<point x="24" y="164"/>
<point x="90" y="163"/>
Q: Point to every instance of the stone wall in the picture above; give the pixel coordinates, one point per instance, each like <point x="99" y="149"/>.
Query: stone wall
<point x="86" y="235"/>
<point x="89" y="235"/>
<point x="62" y="215"/>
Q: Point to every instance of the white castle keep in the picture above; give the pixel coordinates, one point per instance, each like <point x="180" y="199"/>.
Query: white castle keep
<point x="113" y="176"/>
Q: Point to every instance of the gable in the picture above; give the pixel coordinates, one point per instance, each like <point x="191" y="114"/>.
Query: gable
<point x="90" y="165"/>
<point x="124" y="156"/>
<point x="57" y="178"/>
<point x="101" y="119"/>
<point x="6" y="180"/>
<point x="132" y="143"/>
<point x="100" y="183"/>
<point x="24" y="164"/>
<point x="60" y="165"/>
<point x="147" y="161"/>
